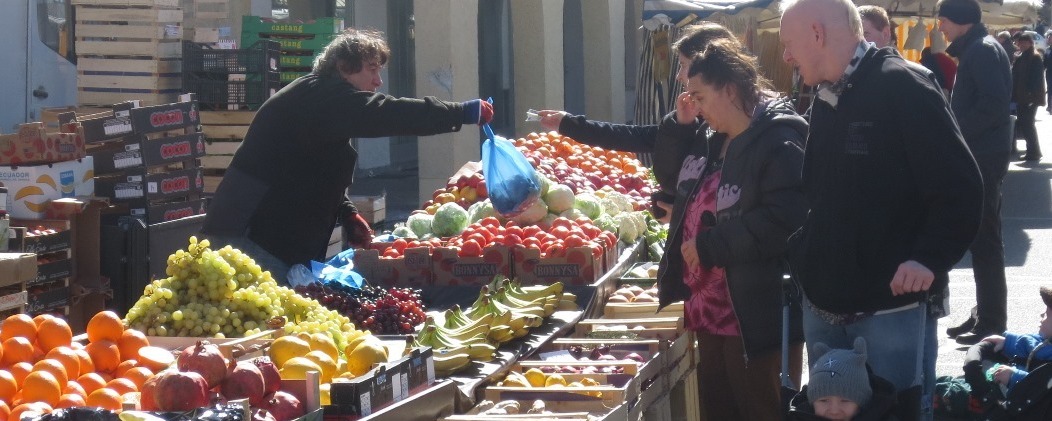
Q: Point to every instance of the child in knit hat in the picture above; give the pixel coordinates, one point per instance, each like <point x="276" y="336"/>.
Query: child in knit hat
<point x="840" y="387"/>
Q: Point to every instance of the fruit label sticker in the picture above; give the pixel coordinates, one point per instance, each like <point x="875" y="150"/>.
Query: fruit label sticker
<point x="116" y="126"/>
<point x="68" y="182"/>
<point x="130" y="158"/>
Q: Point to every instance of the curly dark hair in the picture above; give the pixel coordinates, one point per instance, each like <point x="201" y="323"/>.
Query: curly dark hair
<point x="724" y="63"/>
<point x="353" y="48"/>
<point x="695" y="37"/>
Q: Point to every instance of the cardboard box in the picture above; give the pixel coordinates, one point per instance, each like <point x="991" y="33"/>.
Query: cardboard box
<point x="32" y="144"/>
<point x="451" y="269"/>
<point x="137" y="151"/>
<point x="16" y="268"/>
<point x="53" y="271"/>
<point x="49" y="300"/>
<point x="159" y="118"/>
<point x="579" y="267"/>
<point x="154" y="213"/>
<point x="413" y="269"/>
<point x="351" y="400"/>
<point x="103" y="126"/>
<point x="386" y="385"/>
<point x="31" y="187"/>
<point x="14" y="301"/>
<point x="40" y="244"/>
<point x="417" y="371"/>
<point x="372" y="208"/>
<point x="134" y="185"/>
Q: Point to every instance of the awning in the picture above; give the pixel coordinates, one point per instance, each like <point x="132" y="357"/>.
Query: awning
<point x="676" y="10"/>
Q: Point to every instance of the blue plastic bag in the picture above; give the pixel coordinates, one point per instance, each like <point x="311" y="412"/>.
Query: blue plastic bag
<point x="339" y="269"/>
<point x="510" y="179"/>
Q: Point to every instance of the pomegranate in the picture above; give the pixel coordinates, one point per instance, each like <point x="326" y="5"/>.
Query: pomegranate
<point x="205" y="359"/>
<point x="180" y="391"/>
<point x="259" y="414"/>
<point x="244" y="381"/>
<point x="271" y="377"/>
<point x="146" y="401"/>
<point x="283" y="406"/>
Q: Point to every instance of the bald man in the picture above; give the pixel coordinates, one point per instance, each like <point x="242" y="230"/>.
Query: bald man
<point x="895" y="194"/>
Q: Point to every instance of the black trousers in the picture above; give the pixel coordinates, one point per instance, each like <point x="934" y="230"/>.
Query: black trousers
<point x="1025" y="127"/>
<point x="988" y="254"/>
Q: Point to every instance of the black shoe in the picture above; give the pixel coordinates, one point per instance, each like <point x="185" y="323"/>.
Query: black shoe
<point x="975" y="336"/>
<point x="1032" y="158"/>
<point x="965" y="327"/>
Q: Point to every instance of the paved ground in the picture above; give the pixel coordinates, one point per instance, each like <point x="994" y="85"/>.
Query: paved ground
<point x="1027" y="223"/>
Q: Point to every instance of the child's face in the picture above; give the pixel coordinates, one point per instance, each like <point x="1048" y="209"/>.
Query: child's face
<point x="1045" y="328"/>
<point x="835" y="408"/>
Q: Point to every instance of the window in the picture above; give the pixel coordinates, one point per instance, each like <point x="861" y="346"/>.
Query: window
<point x="55" y="24"/>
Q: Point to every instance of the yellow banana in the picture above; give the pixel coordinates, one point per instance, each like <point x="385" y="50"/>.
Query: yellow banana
<point x="446" y="365"/>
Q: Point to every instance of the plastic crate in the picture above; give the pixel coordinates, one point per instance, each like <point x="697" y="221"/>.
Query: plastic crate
<point x="261" y="56"/>
<point x="315" y="43"/>
<point x="256" y="24"/>
<point x="219" y="93"/>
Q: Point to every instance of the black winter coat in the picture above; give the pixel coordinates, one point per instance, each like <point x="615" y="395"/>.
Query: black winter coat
<point x="763" y="204"/>
<point x="289" y="176"/>
<point x="982" y="91"/>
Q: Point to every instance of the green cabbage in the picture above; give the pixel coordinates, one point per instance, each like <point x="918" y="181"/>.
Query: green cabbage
<point x="588" y="204"/>
<point x="402" y="231"/>
<point x="450" y="219"/>
<point x="480" y="210"/>
<point x="573" y="214"/>
<point x="420" y="223"/>
<point x="560" y="198"/>
<point x="532" y="214"/>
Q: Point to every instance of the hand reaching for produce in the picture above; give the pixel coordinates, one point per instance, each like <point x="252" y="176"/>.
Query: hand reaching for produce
<point x="686" y="109"/>
<point x="356" y="230"/>
<point x="551" y="119"/>
<point x="477" y="111"/>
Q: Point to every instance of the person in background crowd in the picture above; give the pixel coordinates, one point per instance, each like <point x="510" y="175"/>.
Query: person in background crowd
<point x="980" y="103"/>
<point x="871" y="248"/>
<point x="635" y="138"/>
<point x="737" y="201"/>
<point x="876" y="27"/>
<point x="1048" y="72"/>
<point x="1028" y="93"/>
<point x="1005" y="39"/>
<point x="942" y="66"/>
<point x="286" y="186"/>
<point x="840" y="388"/>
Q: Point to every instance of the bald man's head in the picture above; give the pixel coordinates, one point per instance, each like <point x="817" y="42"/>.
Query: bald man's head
<point x="820" y="37"/>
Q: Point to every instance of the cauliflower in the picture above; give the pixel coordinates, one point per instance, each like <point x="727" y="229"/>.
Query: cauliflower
<point x="573" y="214"/>
<point x="606" y="223"/>
<point x="627" y="228"/>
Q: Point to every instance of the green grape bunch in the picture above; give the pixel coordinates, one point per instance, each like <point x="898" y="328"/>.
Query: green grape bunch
<point x="224" y="294"/>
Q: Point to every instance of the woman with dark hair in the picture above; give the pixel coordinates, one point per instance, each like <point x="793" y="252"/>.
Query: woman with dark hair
<point x="738" y="198"/>
<point x="636" y="138"/>
<point x="285" y="188"/>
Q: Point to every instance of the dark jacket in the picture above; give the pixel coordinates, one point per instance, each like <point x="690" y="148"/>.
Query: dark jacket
<point x="883" y="406"/>
<point x="668" y="152"/>
<point x="1028" y="78"/>
<point x="290" y="174"/>
<point x="888" y="179"/>
<point x="982" y="92"/>
<point x="761" y="175"/>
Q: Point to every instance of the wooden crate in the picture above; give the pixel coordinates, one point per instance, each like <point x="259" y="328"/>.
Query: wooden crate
<point x="226" y="125"/>
<point x="122" y="31"/>
<point x="206" y="21"/>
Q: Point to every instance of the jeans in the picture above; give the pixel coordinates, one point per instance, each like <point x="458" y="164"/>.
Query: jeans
<point x="988" y="252"/>
<point x="1026" y="128"/>
<point x="894" y="342"/>
<point x="279" y="270"/>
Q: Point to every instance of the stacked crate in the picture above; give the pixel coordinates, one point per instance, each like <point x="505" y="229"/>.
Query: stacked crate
<point x="231" y="79"/>
<point x="224" y="131"/>
<point x="300" y="42"/>
<point x="128" y="50"/>
<point x="206" y="21"/>
<point x="150" y="166"/>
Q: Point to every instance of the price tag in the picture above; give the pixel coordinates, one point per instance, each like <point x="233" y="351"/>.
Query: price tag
<point x="430" y="371"/>
<point x="558" y="356"/>
<point x="396" y="387"/>
<point x="405" y="386"/>
<point x="366" y="404"/>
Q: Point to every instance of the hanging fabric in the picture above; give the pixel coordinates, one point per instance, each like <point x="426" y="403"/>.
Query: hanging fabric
<point x="938" y="42"/>
<point x="917" y="38"/>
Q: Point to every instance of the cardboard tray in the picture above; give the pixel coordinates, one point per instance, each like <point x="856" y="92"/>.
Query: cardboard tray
<point x="560" y="410"/>
<point x="668" y="328"/>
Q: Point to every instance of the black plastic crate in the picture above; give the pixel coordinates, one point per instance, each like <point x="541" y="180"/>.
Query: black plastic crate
<point x="218" y="92"/>
<point x="261" y="56"/>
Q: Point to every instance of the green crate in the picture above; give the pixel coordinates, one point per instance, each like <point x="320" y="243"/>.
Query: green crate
<point x="287" y="77"/>
<point x="255" y="24"/>
<point x="287" y="44"/>
<point x="297" y="61"/>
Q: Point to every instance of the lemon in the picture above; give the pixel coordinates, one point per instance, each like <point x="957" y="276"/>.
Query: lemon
<point x="354" y="342"/>
<point x="361" y="359"/>
<point x="554" y="380"/>
<point x="535" y="376"/>
<point x="323" y="342"/>
<point x="296" y="368"/>
<point x="323" y="360"/>
<point x="287" y="347"/>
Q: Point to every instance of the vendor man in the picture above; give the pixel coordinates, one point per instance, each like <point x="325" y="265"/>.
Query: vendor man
<point x="286" y="186"/>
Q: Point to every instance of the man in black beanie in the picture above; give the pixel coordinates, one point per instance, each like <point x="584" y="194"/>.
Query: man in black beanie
<point x="980" y="102"/>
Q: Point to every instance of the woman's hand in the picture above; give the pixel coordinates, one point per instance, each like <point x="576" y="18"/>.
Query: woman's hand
<point x="550" y="119"/>
<point x="686" y="111"/>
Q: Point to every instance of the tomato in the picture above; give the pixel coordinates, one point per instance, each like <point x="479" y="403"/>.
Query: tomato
<point x="489" y="221"/>
<point x="560" y="232"/>
<point x="591" y="230"/>
<point x="574" y="240"/>
<point x="470" y="248"/>
<point x="578" y="232"/>
<point x="400" y="245"/>
<point x="414" y="243"/>
<point x="479" y="238"/>
<point x="510" y="224"/>
<point x="517" y="231"/>
<point x="531" y="231"/>
<point x="597" y="250"/>
<point x="531" y="242"/>
<point x="611" y="239"/>
<point x="562" y="222"/>
<point x="583" y="220"/>
<point x="512" y="240"/>
<point x="498" y="239"/>
<point x="392" y="253"/>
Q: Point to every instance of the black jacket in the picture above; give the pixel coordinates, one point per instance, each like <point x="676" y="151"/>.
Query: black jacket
<point x="1028" y="78"/>
<point x="982" y="92"/>
<point x="762" y="169"/>
<point x="668" y="152"/>
<point x="883" y="406"/>
<point x="289" y="176"/>
<point x="889" y="179"/>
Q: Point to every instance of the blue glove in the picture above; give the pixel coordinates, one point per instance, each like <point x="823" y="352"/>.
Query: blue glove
<point x="477" y="111"/>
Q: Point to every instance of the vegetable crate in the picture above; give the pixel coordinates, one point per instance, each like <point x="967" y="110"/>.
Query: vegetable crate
<point x="231" y="79"/>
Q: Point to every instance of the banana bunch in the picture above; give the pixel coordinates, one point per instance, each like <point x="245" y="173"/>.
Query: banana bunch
<point x="455" y="348"/>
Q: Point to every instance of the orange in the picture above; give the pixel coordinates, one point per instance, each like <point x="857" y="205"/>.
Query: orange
<point x="122" y="386"/>
<point x="86" y="365"/>
<point x="70" y="400"/>
<point x="104" y="398"/>
<point x="106" y="377"/>
<point x="31" y="407"/>
<point x="130" y="343"/>
<point x="18" y="325"/>
<point x="68" y="358"/>
<point x="156" y="358"/>
<point x="104" y="354"/>
<point x="20" y="371"/>
<point x="55" y="368"/>
<point x="125" y="366"/>
<point x="54" y="332"/>
<point x="105" y="325"/>
<point x="138" y="375"/>
<point x="4" y="410"/>
<point x="41" y="386"/>
<point x="91" y="382"/>
<point x="38" y="319"/>
<point x="74" y="388"/>
<point x="8" y="386"/>
<point x="16" y="350"/>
